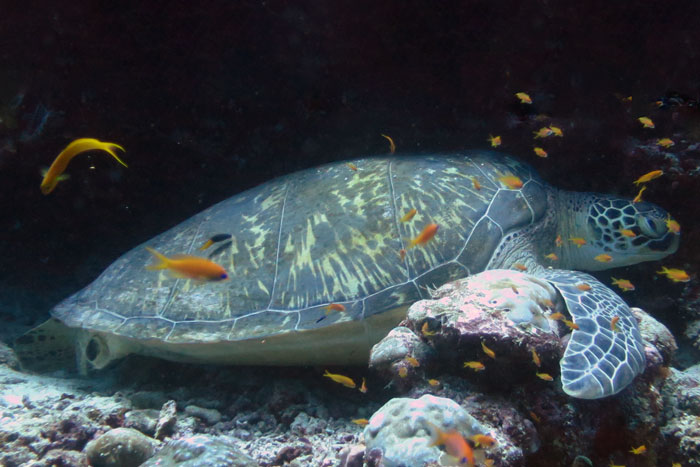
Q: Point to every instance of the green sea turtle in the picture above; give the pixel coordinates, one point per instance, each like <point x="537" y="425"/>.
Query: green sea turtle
<point x="332" y="235"/>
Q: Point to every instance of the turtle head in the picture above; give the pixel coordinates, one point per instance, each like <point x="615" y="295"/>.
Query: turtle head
<point x="623" y="231"/>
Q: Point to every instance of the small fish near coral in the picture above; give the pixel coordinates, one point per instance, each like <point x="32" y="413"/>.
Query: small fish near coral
<point x="55" y="174"/>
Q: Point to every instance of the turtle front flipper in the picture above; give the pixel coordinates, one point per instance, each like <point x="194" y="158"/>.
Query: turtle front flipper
<point x="606" y="352"/>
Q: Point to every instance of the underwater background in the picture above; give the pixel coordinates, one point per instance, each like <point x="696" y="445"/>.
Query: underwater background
<point x="212" y="98"/>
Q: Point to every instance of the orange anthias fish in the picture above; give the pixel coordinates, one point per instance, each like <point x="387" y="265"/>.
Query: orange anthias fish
<point x="523" y="97"/>
<point x="334" y="307"/>
<point x="360" y="421"/>
<point x="613" y="324"/>
<point x="676" y="275"/>
<point x="558" y="241"/>
<point x="511" y="181"/>
<point x="454" y="443"/>
<point x="638" y="198"/>
<point x="476" y="184"/>
<point x="544" y="376"/>
<point x="476" y="366"/>
<point x="552" y="257"/>
<point x="495" y="141"/>
<point x="424" y="237"/>
<point x="543" y="132"/>
<point x="646" y="122"/>
<point x="603" y="258"/>
<point x="624" y="284"/>
<point x="55" y="173"/>
<point x="672" y="225"/>
<point x="556" y="316"/>
<point x="583" y="287"/>
<point x="487" y="351"/>
<point x="570" y="324"/>
<point x="556" y="130"/>
<point x="520" y="266"/>
<point x="433" y="382"/>
<point x="412" y="361"/>
<point x="351" y="166"/>
<point x="578" y="241"/>
<point x="363" y="387"/>
<point x="409" y="215"/>
<point x="392" y="146"/>
<point x="627" y="233"/>
<point x="540" y="152"/>
<point x="665" y="142"/>
<point x="535" y="358"/>
<point x="189" y="267"/>
<point x="639" y="450"/>
<point x="425" y="330"/>
<point x="344" y="380"/>
<point x="647" y="177"/>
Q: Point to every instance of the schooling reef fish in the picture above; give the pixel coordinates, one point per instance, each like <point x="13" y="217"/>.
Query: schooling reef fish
<point x="189" y="267"/>
<point x="54" y="174"/>
<point x="455" y="444"/>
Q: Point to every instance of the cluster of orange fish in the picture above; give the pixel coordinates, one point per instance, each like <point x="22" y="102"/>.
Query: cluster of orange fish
<point x="479" y="366"/>
<point x="457" y="446"/>
<point x="544" y="132"/>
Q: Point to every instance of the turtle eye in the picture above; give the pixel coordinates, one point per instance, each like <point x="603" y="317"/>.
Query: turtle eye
<point x="651" y="226"/>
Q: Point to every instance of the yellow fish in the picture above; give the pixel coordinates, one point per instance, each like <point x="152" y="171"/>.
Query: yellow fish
<point x="344" y="380"/>
<point x="672" y="225"/>
<point x="638" y="198"/>
<point x="523" y="97"/>
<point x="676" y="275"/>
<point x="646" y="122"/>
<point x="647" y="177"/>
<point x="433" y="382"/>
<point x="403" y="372"/>
<point x="363" y="387"/>
<point x="412" y="361"/>
<point x="392" y="146"/>
<point x="556" y="130"/>
<point x="487" y="351"/>
<point x="552" y="257"/>
<point x="545" y="376"/>
<point x="495" y="141"/>
<point x="624" y="284"/>
<point x="351" y="166"/>
<point x="511" y="181"/>
<point x="603" y="258"/>
<point x="425" y="330"/>
<point x="627" y="233"/>
<point x="409" y="215"/>
<point x="535" y="358"/>
<point x="578" y="241"/>
<point x="540" y="152"/>
<point x="476" y="184"/>
<point x="570" y="324"/>
<point x="639" y="450"/>
<point x="543" y="132"/>
<point x="665" y="142"/>
<point x="613" y="324"/>
<point x="55" y="173"/>
<point x="476" y="366"/>
<point x="361" y="421"/>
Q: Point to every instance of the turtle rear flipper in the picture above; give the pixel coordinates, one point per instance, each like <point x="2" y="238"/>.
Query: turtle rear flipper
<point x="598" y="360"/>
<point x="47" y="347"/>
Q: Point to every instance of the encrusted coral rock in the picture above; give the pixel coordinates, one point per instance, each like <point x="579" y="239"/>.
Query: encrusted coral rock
<point x="389" y="356"/>
<point x="401" y="431"/>
<point x="506" y="311"/>
<point x="200" y="451"/>
<point x="656" y="334"/>
<point x="120" y="447"/>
